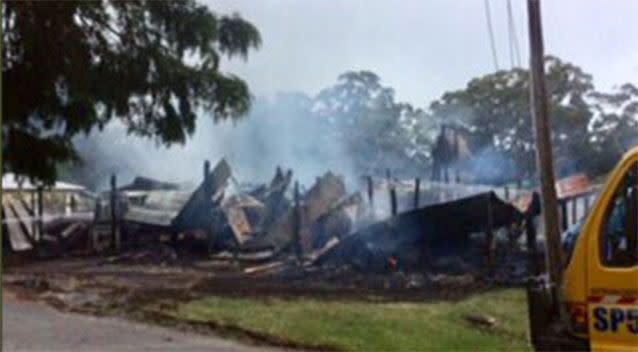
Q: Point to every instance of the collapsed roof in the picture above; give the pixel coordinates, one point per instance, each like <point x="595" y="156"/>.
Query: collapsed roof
<point x="433" y="227"/>
<point x="12" y="182"/>
<point x="179" y="208"/>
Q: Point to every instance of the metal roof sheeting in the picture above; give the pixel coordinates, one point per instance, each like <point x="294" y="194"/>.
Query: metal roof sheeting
<point x="11" y="182"/>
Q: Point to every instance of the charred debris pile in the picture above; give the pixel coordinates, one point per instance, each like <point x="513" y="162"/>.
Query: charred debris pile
<point x="280" y="230"/>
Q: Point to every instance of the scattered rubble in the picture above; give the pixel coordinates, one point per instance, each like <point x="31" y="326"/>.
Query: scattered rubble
<point x="295" y="223"/>
<point x="148" y="184"/>
<point x="485" y="321"/>
<point x="269" y="267"/>
<point x="159" y="254"/>
<point x="432" y="238"/>
<point x="72" y="301"/>
<point x="280" y="230"/>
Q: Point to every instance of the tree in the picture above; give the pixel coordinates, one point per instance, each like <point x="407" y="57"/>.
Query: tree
<point x="71" y="66"/>
<point x="614" y="124"/>
<point x="279" y="130"/>
<point x="495" y="108"/>
<point x="377" y="131"/>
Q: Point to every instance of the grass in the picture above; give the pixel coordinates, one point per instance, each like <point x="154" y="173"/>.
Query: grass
<point x="357" y="326"/>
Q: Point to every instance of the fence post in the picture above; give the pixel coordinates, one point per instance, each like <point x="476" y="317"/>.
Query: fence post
<point x="297" y="223"/>
<point x="370" y="191"/>
<point x="489" y="232"/>
<point x="417" y="192"/>
<point x="562" y="203"/>
<point x="97" y="215"/>
<point x="393" y="200"/>
<point x="40" y="214"/>
<point x="207" y="189"/>
<point x="34" y="214"/>
<point x="115" y="235"/>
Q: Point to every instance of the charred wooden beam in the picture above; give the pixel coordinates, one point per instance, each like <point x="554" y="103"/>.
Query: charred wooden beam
<point x="564" y="214"/>
<point x="297" y="223"/>
<point x="489" y="232"/>
<point x="40" y="221"/>
<point x="393" y="200"/>
<point x="207" y="186"/>
<point x="34" y="214"/>
<point x="115" y="235"/>
<point x="417" y="192"/>
<point x="318" y="200"/>
<point x="196" y="211"/>
<point x="370" y="191"/>
<point x="274" y="198"/>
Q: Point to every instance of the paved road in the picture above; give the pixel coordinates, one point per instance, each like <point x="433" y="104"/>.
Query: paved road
<point x="31" y="326"/>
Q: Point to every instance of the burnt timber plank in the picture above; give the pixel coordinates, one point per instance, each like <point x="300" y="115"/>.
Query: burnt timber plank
<point x="16" y="230"/>
<point x="196" y="210"/>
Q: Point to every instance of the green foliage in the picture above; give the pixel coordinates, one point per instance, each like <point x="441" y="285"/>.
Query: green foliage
<point x="70" y="66"/>
<point x="496" y="109"/>
<point x="614" y="125"/>
<point x="377" y="131"/>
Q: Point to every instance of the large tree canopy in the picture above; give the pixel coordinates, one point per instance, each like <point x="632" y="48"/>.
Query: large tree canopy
<point x="70" y="66"/>
<point x="377" y="132"/>
<point x="614" y="124"/>
<point x="495" y="108"/>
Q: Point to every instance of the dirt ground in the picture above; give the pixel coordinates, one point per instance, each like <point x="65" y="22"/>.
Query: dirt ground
<point x="199" y="277"/>
<point x="110" y="286"/>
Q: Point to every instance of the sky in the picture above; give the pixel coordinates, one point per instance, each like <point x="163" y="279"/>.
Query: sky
<point x="423" y="48"/>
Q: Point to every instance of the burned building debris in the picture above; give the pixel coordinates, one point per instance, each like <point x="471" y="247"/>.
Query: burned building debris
<point x="414" y="240"/>
<point x="141" y="183"/>
<point x="450" y="150"/>
<point x="36" y="215"/>
<point x="295" y="223"/>
<point x="281" y="227"/>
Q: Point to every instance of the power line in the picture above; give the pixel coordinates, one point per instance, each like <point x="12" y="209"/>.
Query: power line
<point x="490" y="32"/>
<point x="513" y="38"/>
<point x="510" y="43"/>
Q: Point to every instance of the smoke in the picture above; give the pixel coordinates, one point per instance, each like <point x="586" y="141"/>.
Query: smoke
<point x="281" y="130"/>
<point x="490" y="166"/>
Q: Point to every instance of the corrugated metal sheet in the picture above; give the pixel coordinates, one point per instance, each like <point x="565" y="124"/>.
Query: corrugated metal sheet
<point x="160" y="208"/>
<point x="182" y="208"/>
<point x="11" y="183"/>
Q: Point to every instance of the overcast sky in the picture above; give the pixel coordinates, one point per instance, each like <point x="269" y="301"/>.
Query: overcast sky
<point x="423" y="48"/>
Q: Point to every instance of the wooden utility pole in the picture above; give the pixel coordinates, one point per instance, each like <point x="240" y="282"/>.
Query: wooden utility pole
<point x="544" y="159"/>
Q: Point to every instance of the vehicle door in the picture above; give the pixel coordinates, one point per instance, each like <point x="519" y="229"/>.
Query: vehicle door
<point x="612" y="265"/>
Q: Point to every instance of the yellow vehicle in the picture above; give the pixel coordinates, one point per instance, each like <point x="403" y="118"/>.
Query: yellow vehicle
<point x="596" y="307"/>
